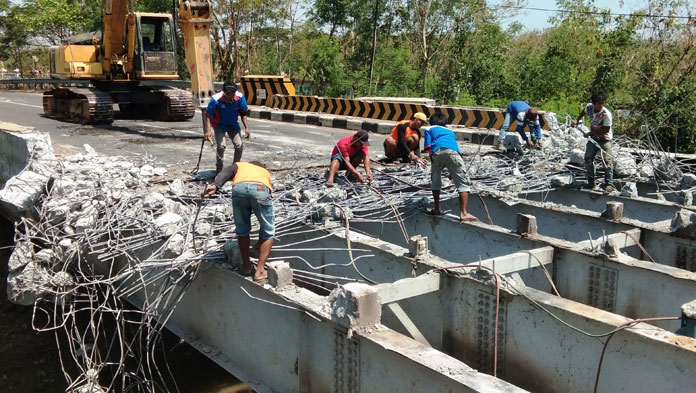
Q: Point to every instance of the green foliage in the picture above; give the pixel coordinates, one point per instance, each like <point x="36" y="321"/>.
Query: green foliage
<point x="326" y="66"/>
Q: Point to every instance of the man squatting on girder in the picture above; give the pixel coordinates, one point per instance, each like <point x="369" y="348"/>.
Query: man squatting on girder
<point x="251" y="192"/>
<point x="221" y="115"/>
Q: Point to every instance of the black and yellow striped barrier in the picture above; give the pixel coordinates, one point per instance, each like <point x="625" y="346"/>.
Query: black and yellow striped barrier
<point x="491" y="118"/>
<point x="260" y="89"/>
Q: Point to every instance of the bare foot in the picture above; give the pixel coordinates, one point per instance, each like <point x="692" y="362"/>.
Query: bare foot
<point x="467" y="217"/>
<point x="260" y="276"/>
<point x="329" y="183"/>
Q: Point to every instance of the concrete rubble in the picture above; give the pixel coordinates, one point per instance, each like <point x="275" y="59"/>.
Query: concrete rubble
<point x="127" y="217"/>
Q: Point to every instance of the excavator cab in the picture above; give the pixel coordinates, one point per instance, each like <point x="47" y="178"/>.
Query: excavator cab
<point x="155" y="56"/>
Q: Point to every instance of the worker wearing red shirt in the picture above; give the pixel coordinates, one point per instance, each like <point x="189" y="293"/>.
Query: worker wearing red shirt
<point x="348" y="154"/>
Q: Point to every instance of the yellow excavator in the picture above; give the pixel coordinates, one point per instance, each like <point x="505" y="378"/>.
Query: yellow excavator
<point x="134" y="47"/>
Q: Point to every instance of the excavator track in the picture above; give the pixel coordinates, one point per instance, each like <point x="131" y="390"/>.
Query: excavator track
<point x="78" y="105"/>
<point x="175" y="105"/>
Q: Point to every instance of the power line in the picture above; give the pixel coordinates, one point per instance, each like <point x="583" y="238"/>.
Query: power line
<point x="598" y="12"/>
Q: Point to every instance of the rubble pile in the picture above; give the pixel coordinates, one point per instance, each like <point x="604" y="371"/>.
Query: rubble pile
<point x="108" y="228"/>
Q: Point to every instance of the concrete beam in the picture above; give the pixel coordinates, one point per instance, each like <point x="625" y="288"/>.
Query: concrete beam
<point x="408" y="288"/>
<point x="647" y="210"/>
<point x="538" y="353"/>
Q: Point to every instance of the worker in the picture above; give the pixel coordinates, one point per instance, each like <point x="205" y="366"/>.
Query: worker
<point x="600" y="136"/>
<point x="524" y="115"/>
<point x="251" y="192"/>
<point x="404" y="140"/>
<point x="441" y="144"/>
<point x="348" y="154"/>
<point x="221" y="115"/>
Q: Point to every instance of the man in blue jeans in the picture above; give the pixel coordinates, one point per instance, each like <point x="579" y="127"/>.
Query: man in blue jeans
<point x="221" y="115"/>
<point x="251" y="192"/>
<point x="523" y="114"/>
<point x="441" y="143"/>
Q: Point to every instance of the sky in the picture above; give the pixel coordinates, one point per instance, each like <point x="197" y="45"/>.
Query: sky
<point x="538" y="20"/>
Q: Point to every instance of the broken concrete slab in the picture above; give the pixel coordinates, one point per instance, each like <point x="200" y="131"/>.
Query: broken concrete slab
<point x="684" y="224"/>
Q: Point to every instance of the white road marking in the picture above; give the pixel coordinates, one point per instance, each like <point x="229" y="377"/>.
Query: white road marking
<point x="172" y="129"/>
<point x="20" y="103"/>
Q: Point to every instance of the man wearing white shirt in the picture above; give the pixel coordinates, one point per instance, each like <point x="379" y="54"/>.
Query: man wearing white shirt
<point x="600" y="136"/>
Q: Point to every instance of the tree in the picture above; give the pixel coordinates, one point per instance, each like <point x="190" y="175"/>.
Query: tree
<point x="430" y="25"/>
<point x="326" y="68"/>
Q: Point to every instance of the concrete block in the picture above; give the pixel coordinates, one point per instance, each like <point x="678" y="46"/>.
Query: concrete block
<point x="313" y="119"/>
<point x="684" y="224"/>
<point x="353" y="124"/>
<point x="688" y="180"/>
<point x="254" y="113"/>
<point x="326" y="121"/>
<point x="629" y="190"/>
<point x="467" y="136"/>
<point x="562" y="180"/>
<point x="356" y="305"/>
<point x="277" y="116"/>
<point x="625" y="165"/>
<point x="340" y="122"/>
<point x="234" y="257"/>
<point x="526" y="224"/>
<point x="21" y="192"/>
<point x="614" y="211"/>
<point x="384" y="128"/>
<point x="577" y="157"/>
<point x="175" y="246"/>
<point x="689" y="309"/>
<point x="418" y="246"/>
<point x="279" y="274"/>
<point x="370" y="126"/>
<point x="300" y="118"/>
<point x="688" y="325"/>
<point x="28" y="284"/>
<point x="20" y="257"/>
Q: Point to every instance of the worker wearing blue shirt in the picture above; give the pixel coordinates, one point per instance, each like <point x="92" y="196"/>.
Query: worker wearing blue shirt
<point x="524" y="115"/>
<point x="221" y="116"/>
<point x="441" y="143"/>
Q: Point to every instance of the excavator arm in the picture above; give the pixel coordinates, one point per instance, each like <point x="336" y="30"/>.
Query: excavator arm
<point x="194" y="19"/>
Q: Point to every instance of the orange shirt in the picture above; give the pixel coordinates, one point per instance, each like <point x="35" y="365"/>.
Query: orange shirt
<point x="247" y="172"/>
<point x="395" y="133"/>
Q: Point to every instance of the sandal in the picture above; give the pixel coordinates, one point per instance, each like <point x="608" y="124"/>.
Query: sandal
<point x="261" y="281"/>
<point x="434" y="212"/>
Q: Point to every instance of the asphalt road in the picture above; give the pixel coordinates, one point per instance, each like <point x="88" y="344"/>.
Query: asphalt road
<point x="274" y="143"/>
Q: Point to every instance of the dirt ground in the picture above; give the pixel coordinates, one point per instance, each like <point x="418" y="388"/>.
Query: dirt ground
<point x="30" y="362"/>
